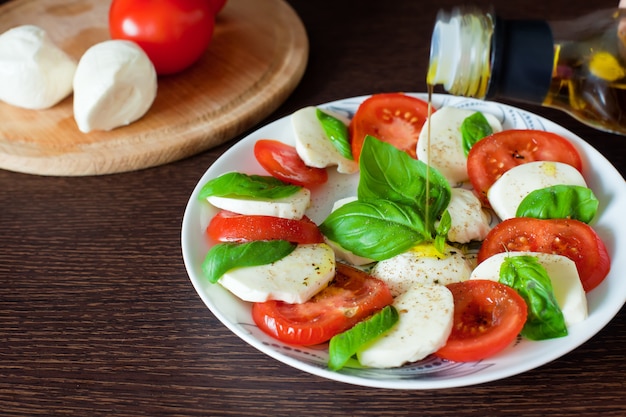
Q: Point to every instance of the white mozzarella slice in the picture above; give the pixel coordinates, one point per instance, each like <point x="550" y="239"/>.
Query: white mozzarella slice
<point x="506" y="194"/>
<point x="422" y="265"/>
<point x="34" y="72"/>
<point x="291" y="207"/>
<point x="469" y="220"/>
<point x="293" y="279"/>
<point x="343" y="201"/>
<point x="314" y="146"/>
<point x="115" y="84"/>
<point x="426" y="318"/>
<point x="568" y="289"/>
<point x="446" y="142"/>
<point x="347" y="256"/>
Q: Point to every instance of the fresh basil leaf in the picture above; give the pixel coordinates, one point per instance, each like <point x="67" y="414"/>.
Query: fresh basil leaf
<point x="394" y="211"/>
<point x="345" y="345"/>
<point x="442" y="231"/>
<point x="473" y="129"/>
<point x="529" y="278"/>
<point x="375" y="229"/>
<point x="337" y="132"/>
<point x="239" y="185"/>
<point x="560" y="202"/>
<point x="390" y="174"/>
<point x="224" y="257"/>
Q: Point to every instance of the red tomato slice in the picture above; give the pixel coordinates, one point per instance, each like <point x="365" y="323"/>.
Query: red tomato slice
<point x="283" y="162"/>
<point x="227" y="226"/>
<point x="488" y="316"/>
<point x="390" y="117"/>
<point x="492" y="156"/>
<point x="351" y="297"/>
<point x="567" y="237"/>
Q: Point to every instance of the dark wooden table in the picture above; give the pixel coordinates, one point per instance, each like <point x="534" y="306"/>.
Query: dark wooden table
<point x="98" y="316"/>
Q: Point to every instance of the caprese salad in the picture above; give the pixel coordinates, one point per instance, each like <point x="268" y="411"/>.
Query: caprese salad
<point x="389" y="277"/>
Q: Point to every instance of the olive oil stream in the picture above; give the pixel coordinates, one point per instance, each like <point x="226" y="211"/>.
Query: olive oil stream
<point x="430" y="88"/>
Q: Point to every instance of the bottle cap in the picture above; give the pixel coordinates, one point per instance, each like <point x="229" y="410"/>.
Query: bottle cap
<point x="522" y="60"/>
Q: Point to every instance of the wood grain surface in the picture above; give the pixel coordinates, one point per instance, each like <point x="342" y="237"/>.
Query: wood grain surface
<point x="98" y="316"/>
<point x="256" y="58"/>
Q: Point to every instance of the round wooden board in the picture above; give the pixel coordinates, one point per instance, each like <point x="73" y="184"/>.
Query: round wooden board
<point x="256" y="59"/>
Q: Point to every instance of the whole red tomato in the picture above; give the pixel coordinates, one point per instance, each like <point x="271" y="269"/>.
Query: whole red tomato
<point x="217" y="5"/>
<point x="173" y="33"/>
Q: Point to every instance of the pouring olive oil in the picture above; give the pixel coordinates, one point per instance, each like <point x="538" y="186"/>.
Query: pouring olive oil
<point x="576" y="66"/>
<point x="430" y="89"/>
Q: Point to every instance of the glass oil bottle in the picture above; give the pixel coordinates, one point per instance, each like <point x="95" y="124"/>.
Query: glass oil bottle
<point x="578" y="66"/>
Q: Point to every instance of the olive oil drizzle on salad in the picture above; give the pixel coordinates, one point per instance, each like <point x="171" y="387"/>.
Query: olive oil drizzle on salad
<point x="430" y="87"/>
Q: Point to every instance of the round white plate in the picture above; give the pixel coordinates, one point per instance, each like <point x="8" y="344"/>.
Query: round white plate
<point x="604" y="301"/>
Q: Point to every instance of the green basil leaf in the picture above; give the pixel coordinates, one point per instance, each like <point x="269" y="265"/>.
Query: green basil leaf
<point x="337" y="132"/>
<point x="560" y="202"/>
<point x="529" y="278"/>
<point x="473" y="129"/>
<point x="390" y="174"/>
<point x="442" y="231"/>
<point x="238" y="185"/>
<point x="375" y="229"/>
<point x="223" y="257"/>
<point x="345" y="345"/>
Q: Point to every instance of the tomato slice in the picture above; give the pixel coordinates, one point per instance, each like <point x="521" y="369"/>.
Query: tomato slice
<point x="283" y="162"/>
<point x="492" y="156"/>
<point x="352" y="296"/>
<point x="488" y="316"/>
<point x="395" y="118"/>
<point x="227" y="226"/>
<point x="567" y="237"/>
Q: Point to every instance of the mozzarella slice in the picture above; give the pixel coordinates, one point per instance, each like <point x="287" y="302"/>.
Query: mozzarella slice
<point x="422" y="265"/>
<point x="506" y="194"/>
<point x="568" y="289"/>
<point x="115" y="84"/>
<point x="343" y="201"/>
<point x="469" y="220"/>
<point x="446" y="142"/>
<point x="34" y="72"/>
<point x="426" y="317"/>
<point x="347" y="256"/>
<point x="292" y="279"/>
<point x="314" y="146"/>
<point x="292" y="207"/>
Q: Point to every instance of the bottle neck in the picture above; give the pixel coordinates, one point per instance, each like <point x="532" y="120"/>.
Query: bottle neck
<point x="476" y="54"/>
<point x="460" y="52"/>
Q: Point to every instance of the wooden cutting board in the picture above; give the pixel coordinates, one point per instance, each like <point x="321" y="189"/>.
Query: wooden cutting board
<point x="257" y="57"/>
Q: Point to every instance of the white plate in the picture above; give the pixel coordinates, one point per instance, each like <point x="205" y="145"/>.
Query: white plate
<point x="604" y="301"/>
